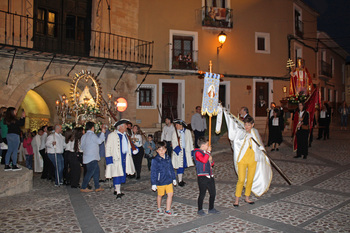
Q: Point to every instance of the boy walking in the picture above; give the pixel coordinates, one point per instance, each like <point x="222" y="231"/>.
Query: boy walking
<point x="204" y="163"/>
<point x="149" y="147"/>
<point x="163" y="178"/>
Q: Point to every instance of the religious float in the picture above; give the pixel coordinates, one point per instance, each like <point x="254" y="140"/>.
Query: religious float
<point x="86" y="103"/>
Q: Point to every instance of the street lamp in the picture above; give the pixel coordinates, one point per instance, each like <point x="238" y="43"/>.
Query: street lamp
<point x="222" y="38"/>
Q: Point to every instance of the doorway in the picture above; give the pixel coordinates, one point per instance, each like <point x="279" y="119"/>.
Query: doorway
<point x="171" y="99"/>
<point x="262" y="96"/>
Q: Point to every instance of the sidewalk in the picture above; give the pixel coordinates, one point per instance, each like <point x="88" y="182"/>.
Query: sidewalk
<point x="317" y="201"/>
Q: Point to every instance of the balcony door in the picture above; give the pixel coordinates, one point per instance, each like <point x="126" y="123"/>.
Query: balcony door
<point x="62" y="26"/>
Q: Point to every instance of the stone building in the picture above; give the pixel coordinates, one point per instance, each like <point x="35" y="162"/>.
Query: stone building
<point x="43" y="44"/>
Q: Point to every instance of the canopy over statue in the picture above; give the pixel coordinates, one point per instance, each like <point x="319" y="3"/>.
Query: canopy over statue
<point x="300" y="80"/>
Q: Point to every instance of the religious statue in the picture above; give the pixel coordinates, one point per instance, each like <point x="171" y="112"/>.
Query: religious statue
<point x="86" y="97"/>
<point x="300" y="80"/>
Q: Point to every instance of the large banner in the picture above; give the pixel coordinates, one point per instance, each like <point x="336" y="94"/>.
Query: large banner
<point x="210" y="94"/>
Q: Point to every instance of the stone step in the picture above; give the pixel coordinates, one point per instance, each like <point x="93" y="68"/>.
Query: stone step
<point x="15" y="182"/>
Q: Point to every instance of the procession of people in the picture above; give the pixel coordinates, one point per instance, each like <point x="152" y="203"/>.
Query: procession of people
<point x="115" y="152"/>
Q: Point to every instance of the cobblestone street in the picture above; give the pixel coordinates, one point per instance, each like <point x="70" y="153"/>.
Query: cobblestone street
<point x="317" y="201"/>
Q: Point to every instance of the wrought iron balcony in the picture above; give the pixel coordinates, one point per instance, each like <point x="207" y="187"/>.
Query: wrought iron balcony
<point x="299" y="28"/>
<point x="217" y="17"/>
<point x="184" y="60"/>
<point x="32" y="34"/>
<point x="326" y="69"/>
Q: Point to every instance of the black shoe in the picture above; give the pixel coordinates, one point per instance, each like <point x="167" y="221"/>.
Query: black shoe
<point x="74" y="186"/>
<point x="235" y="205"/>
<point x="7" y="168"/>
<point x="89" y="186"/>
<point x="251" y="202"/>
<point x="102" y="181"/>
<point x="273" y="149"/>
<point x="115" y="193"/>
<point x="304" y="157"/>
<point x="137" y="178"/>
<point x="119" y="196"/>
<point x="297" y="156"/>
<point x="15" y="168"/>
<point x="182" y="183"/>
<point x="277" y="149"/>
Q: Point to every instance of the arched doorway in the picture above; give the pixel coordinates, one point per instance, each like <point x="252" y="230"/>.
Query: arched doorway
<point x="39" y="103"/>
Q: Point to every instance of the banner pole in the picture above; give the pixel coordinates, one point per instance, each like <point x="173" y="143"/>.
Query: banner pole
<point x="209" y="130"/>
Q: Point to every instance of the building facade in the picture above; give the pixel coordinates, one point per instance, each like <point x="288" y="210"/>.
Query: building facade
<point x="261" y="37"/>
<point x="43" y="44"/>
<point x="150" y="53"/>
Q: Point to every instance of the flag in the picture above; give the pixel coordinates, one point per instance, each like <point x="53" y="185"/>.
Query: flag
<point x="210" y="94"/>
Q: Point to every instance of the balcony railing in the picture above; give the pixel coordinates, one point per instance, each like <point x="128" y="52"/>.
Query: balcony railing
<point x="184" y="60"/>
<point x="16" y="30"/>
<point x="121" y="48"/>
<point x="326" y="69"/>
<point x="23" y="31"/>
<point x="217" y="17"/>
<point x="299" y="28"/>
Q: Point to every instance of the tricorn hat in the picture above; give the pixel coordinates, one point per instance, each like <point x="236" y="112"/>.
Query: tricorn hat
<point x="121" y="121"/>
<point x="180" y="122"/>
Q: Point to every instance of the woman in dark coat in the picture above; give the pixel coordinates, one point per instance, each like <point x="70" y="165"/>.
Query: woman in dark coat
<point x="276" y="126"/>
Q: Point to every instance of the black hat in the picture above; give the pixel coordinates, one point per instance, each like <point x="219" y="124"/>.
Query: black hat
<point x="180" y="122"/>
<point x="121" y="121"/>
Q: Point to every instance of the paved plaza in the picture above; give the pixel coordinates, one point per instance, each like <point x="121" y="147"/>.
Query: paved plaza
<point x="317" y="201"/>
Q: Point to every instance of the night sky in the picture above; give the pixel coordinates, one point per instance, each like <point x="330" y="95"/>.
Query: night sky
<point x="334" y="19"/>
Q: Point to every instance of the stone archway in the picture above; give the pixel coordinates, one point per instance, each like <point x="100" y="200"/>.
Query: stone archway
<point x="39" y="103"/>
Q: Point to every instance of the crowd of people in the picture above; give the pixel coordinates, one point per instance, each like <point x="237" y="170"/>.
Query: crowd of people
<point x="117" y="154"/>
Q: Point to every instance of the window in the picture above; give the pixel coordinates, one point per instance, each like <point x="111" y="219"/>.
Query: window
<point x="183" y="50"/>
<point x="75" y="27"/>
<point x="323" y="93"/>
<point x="329" y="95"/>
<point x="46" y="22"/>
<point x="81" y="28"/>
<point x="298" y="23"/>
<point x="216" y="13"/>
<point x="70" y="27"/>
<point x="332" y="66"/>
<point x="262" y="42"/>
<point x="146" y="97"/>
<point x="343" y="73"/>
<point x="40" y="27"/>
<point x="51" y="24"/>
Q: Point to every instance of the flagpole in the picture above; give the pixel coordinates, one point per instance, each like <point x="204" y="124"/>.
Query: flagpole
<point x="209" y="130"/>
